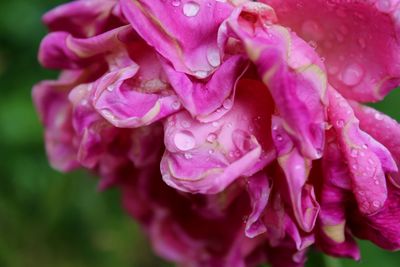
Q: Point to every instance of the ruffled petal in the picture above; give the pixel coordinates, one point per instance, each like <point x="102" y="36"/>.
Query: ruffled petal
<point x="238" y="144"/>
<point x="60" y="50"/>
<point x="169" y="27"/>
<point x="296" y="169"/>
<point x="366" y="158"/>
<point x="259" y="189"/>
<point x="333" y="237"/>
<point x="51" y="101"/>
<point x="83" y="18"/>
<point x="135" y="93"/>
<point x="202" y="97"/>
<point x="383" y="227"/>
<point x="292" y="71"/>
<point x="359" y="41"/>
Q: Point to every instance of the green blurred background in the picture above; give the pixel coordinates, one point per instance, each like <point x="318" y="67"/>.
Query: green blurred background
<point x="52" y="219"/>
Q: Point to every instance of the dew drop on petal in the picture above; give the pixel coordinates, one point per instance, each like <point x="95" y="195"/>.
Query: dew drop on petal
<point x="185" y="124"/>
<point x="227" y="104"/>
<point x="383" y="5"/>
<point x="211" y="137"/>
<point x="176" y="105"/>
<point x="352" y="74"/>
<point x="378" y="116"/>
<point x="340" y="123"/>
<point x="353" y="152"/>
<point x="376" y="203"/>
<point x="176" y="3"/>
<point x="188" y="156"/>
<point x="184" y="140"/>
<point x="211" y="151"/>
<point x="190" y="9"/>
<point x="213" y="57"/>
<point x="215" y="124"/>
<point x="279" y="138"/>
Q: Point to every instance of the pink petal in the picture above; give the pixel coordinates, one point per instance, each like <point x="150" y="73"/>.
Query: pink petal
<point x="333" y="237"/>
<point x="359" y="41"/>
<point x="60" y="50"/>
<point x="296" y="169"/>
<point x="135" y="93"/>
<point x="259" y="189"/>
<point x="82" y="18"/>
<point x="170" y="26"/>
<point x="293" y="74"/>
<point x="368" y="177"/>
<point x="207" y="157"/>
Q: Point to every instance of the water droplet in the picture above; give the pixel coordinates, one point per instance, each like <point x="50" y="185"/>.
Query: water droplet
<point x="184" y="140"/>
<point x="354" y="152"/>
<point x="312" y="31"/>
<point x="185" y="124"/>
<point x="215" y="124"/>
<point x="279" y="138"/>
<point x="313" y="44"/>
<point x="376" y="203"/>
<point x="211" y="137"/>
<point x="340" y="123"/>
<point x="213" y="57"/>
<point x="176" y="3"/>
<point x="211" y="151"/>
<point x="110" y="88"/>
<point x="376" y="182"/>
<point x="190" y="9"/>
<point x="227" y="103"/>
<point x="229" y="125"/>
<point x="188" y="156"/>
<point x="176" y="105"/>
<point x="383" y="5"/>
<point x="352" y="74"/>
<point x="365" y="146"/>
<point x="378" y="116"/>
<point x="361" y="193"/>
<point x="201" y="74"/>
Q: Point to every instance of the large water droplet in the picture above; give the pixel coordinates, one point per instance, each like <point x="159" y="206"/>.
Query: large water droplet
<point x="184" y="140"/>
<point x="213" y="57"/>
<point x="227" y="103"/>
<point x="352" y="75"/>
<point x="190" y="9"/>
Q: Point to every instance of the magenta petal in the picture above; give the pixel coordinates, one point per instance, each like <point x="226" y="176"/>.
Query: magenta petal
<point x="333" y="237"/>
<point x="294" y="76"/>
<point x="170" y="29"/>
<point x="237" y="144"/>
<point x="82" y="18"/>
<point x="383" y="227"/>
<point x="259" y="189"/>
<point x="368" y="177"/>
<point x="51" y="101"/>
<point x="359" y="41"/>
<point x="296" y="169"/>
<point x="201" y="97"/>
<point x="60" y="50"/>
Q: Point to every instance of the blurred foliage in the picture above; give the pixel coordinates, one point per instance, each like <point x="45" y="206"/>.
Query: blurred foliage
<point x="50" y="219"/>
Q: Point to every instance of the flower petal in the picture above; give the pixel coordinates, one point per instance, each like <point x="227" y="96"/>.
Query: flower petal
<point x="359" y="40"/>
<point x="293" y="74"/>
<point x="207" y="157"/>
<point x="170" y="26"/>
<point x="82" y="18"/>
<point x="368" y="177"/>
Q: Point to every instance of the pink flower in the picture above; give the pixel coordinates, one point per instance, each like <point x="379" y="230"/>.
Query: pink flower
<point x="236" y="130"/>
